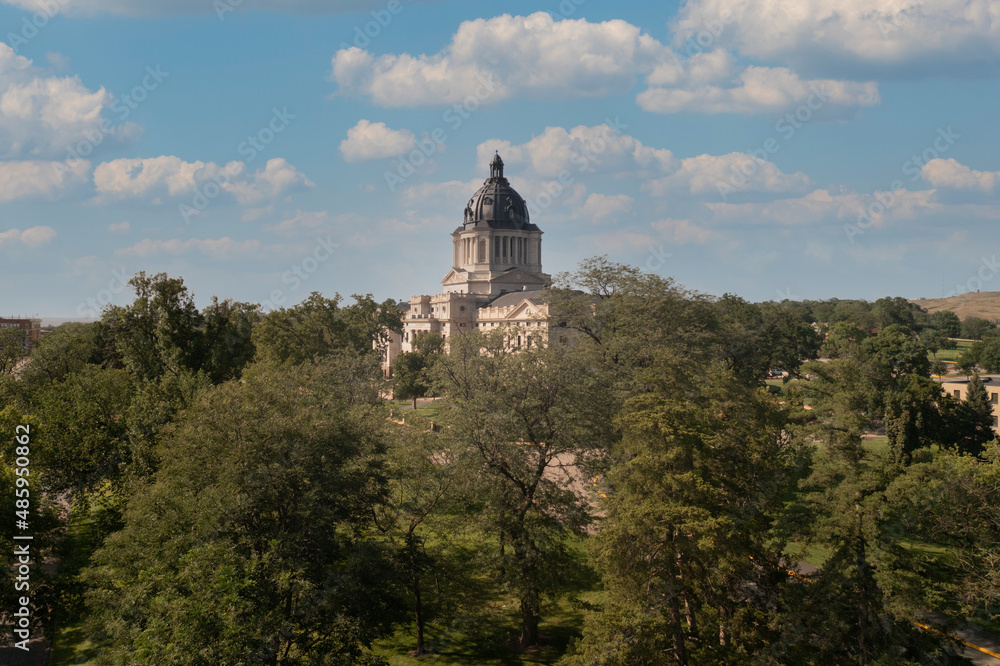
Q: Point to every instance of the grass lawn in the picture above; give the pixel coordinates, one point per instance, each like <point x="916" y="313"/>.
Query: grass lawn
<point x="431" y="410"/>
<point x="71" y="644"/>
<point x="951" y="355"/>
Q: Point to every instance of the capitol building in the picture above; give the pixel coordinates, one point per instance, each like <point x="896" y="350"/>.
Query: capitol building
<point x="496" y="275"/>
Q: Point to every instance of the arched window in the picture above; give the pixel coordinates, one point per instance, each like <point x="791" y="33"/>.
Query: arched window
<point x="482" y="250"/>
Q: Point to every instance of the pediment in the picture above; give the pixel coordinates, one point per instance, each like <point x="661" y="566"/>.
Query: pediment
<point x="455" y="277"/>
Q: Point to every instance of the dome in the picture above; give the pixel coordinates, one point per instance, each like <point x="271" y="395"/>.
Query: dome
<point x="496" y="204"/>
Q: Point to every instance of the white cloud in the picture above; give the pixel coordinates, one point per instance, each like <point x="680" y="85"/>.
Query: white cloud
<point x="822" y="206"/>
<point x="37" y="179"/>
<point x="598" y="149"/>
<point x="170" y="176"/>
<point x="221" y="248"/>
<point x="899" y="36"/>
<point x="951" y="173"/>
<point x="760" y="90"/>
<point x="683" y="232"/>
<point x="536" y="56"/>
<point x="32" y="237"/>
<point x="373" y="141"/>
<point x="533" y="56"/>
<point x="122" y="228"/>
<point x="726" y="173"/>
<point x="604" y="207"/>
<point x="43" y="116"/>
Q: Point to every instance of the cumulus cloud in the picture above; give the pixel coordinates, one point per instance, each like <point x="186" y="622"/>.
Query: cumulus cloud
<point x="760" y="90"/>
<point x="156" y="178"/>
<point x="39" y="179"/>
<point x="822" y="206"/>
<point x="951" y="173"/>
<point x="727" y="173"/>
<point x="683" y="232"/>
<point x="43" y="116"/>
<point x="220" y="248"/>
<point x="536" y="56"/>
<point x="533" y="56"/>
<point x="374" y="141"/>
<point x="604" y="207"/>
<point x="898" y="37"/>
<point x="32" y="237"/>
<point x="598" y="149"/>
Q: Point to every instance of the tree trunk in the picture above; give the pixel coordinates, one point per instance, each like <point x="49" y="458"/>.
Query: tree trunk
<point x="418" y="611"/>
<point x="414" y="403"/>
<point x="680" y="655"/>
<point x="529" y="619"/>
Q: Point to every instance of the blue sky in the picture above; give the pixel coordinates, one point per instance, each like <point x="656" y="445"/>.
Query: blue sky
<point x="262" y="149"/>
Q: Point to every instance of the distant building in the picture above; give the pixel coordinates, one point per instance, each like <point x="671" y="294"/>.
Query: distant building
<point x="32" y="329"/>
<point x="496" y="276"/>
<point x="959" y="389"/>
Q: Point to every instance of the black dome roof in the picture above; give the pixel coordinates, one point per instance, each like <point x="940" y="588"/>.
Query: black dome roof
<point x="497" y="205"/>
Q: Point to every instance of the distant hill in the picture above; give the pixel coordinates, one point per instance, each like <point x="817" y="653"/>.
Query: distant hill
<point x="985" y="304"/>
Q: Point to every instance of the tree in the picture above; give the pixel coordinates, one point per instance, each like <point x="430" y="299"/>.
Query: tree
<point x="158" y="332"/>
<point x="685" y="549"/>
<point x="980" y="415"/>
<point x="66" y="349"/>
<point x="83" y="432"/>
<point x="13" y="349"/>
<point x="422" y="479"/>
<point x="520" y="416"/>
<point x="843" y="340"/>
<point x="250" y="546"/>
<point x="986" y="354"/>
<point x="976" y="328"/>
<point x="410" y="378"/>
<point x="411" y="369"/>
<point x="227" y="338"/>
<point x="947" y="322"/>
<point x="319" y="326"/>
<point x="759" y="338"/>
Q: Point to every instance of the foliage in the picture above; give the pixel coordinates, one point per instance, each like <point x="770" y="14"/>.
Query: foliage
<point x="519" y="416"/>
<point x="685" y="546"/>
<point x="320" y="326"/>
<point x="249" y="547"/>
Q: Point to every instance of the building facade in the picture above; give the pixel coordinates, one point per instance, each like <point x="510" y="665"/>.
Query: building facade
<point x="30" y="328"/>
<point x="959" y="389"/>
<point x="496" y="276"/>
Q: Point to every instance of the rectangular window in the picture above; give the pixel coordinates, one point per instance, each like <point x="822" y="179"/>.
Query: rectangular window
<point x="958" y="394"/>
<point x="993" y="398"/>
<point x="994" y="421"/>
<point x="504" y="247"/>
